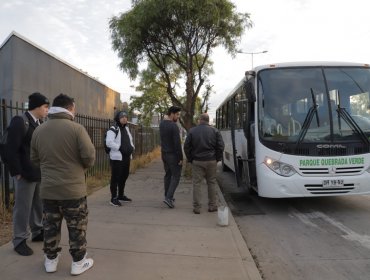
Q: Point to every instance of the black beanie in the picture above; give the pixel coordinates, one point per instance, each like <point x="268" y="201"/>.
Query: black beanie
<point x="36" y="99"/>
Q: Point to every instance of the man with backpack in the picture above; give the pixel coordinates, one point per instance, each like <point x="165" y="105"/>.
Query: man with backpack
<point x="120" y="146"/>
<point x="27" y="209"/>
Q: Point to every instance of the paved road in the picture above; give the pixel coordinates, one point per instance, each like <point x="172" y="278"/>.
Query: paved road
<point x="305" y="238"/>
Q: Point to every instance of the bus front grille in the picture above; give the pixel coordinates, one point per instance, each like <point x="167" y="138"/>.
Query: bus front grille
<point x="319" y="189"/>
<point x="353" y="170"/>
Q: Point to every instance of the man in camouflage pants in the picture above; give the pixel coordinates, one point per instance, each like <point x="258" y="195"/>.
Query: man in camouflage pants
<point x="75" y="213"/>
<point x="63" y="150"/>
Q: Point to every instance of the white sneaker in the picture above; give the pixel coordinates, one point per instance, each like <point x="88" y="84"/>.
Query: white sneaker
<point x="51" y="265"/>
<point x="81" y="266"/>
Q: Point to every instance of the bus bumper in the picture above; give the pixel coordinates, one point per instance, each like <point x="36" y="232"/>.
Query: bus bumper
<point x="273" y="185"/>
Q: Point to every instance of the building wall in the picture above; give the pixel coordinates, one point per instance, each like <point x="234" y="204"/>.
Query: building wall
<point x="6" y="71"/>
<point x="25" y="68"/>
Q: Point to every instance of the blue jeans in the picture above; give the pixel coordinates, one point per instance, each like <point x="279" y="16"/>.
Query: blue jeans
<point x="173" y="174"/>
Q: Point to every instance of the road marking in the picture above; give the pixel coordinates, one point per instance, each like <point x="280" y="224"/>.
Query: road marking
<point x="349" y="234"/>
<point x="305" y="218"/>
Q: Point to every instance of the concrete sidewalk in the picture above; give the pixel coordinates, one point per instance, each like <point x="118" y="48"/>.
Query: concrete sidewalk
<point x="145" y="240"/>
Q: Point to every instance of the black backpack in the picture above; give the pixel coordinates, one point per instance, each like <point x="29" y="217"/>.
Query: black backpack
<point x="115" y="130"/>
<point x="4" y="139"/>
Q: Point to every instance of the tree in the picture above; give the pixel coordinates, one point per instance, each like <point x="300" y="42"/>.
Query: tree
<point x="177" y="35"/>
<point x="154" y="99"/>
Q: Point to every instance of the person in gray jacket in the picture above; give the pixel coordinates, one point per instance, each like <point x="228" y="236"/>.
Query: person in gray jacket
<point x="63" y="150"/>
<point x="203" y="148"/>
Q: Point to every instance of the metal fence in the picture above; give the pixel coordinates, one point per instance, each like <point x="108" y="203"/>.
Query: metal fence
<point x="145" y="140"/>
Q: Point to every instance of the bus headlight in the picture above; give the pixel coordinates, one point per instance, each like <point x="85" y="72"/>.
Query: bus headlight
<point x="279" y="167"/>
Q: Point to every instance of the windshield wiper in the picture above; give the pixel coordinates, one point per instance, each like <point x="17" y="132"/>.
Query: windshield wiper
<point x="342" y="112"/>
<point x="308" y="119"/>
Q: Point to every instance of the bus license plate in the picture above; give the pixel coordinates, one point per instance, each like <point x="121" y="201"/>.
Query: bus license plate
<point x="332" y="183"/>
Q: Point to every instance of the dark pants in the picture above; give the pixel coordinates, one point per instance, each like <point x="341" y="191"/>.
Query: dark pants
<point x="75" y="213"/>
<point x="173" y="174"/>
<point x="120" y="172"/>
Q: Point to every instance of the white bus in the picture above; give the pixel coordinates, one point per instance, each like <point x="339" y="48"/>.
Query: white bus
<point x="299" y="129"/>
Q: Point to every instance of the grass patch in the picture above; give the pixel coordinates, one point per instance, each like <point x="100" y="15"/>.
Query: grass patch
<point x="187" y="170"/>
<point x="97" y="182"/>
<point x="6" y="225"/>
<point x="144" y="160"/>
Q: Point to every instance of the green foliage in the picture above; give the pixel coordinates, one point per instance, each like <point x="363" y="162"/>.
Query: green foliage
<point x="177" y="36"/>
<point x="154" y="99"/>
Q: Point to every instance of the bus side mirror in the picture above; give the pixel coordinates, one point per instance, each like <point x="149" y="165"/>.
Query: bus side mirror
<point x="249" y="92"/>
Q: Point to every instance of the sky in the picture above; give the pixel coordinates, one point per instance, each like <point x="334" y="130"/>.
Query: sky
<point x="77" y="32"/>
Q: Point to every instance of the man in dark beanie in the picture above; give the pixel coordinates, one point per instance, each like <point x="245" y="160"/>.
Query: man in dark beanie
<point x="35" y="100"/>
<point x="27" y="210"/>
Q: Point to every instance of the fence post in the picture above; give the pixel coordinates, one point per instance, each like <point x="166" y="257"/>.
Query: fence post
<point x="5" y="171"/>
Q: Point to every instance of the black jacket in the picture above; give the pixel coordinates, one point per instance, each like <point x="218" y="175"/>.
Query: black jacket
<point x="170" y="139"/>
<point x="204" y="143"/>
<point x="18" y="149"/>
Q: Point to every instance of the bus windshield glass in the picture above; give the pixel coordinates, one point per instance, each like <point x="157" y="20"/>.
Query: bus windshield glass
<point x="314" y="104"/>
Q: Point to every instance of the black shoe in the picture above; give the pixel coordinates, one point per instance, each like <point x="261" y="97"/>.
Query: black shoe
<point x="23" y="249"/>
<point x="39" y="237"/>
<point x="124" y="199"/>
<point x="168" y="203"/>
<point x="115" y="202"/>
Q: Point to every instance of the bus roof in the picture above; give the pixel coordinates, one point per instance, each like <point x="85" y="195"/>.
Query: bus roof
<point x="309" y="64"/>
<point x="295" y="64"/>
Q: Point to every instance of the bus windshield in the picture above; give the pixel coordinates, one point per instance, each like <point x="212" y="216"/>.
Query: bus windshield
<point x="314" y="104"/>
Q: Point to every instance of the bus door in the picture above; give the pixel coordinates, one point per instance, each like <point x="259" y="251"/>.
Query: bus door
<point x="244" y="142"/>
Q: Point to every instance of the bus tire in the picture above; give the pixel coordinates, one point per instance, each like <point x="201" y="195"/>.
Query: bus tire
<point x="225" y="168"/>
<point x="244" y="180"/>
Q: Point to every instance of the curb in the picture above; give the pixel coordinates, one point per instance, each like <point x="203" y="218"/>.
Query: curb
<point x="250" y="266"/>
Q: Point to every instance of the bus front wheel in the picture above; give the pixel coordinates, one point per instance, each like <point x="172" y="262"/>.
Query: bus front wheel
<point x="244" y="179"/>
<point x="225" y="168"/>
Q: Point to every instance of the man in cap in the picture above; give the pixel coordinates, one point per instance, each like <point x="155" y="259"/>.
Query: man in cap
<point x="27" y="209"/>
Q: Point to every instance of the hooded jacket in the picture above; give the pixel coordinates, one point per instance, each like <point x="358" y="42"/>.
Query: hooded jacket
<point x="113" y="140"/>
<point x="63" y="150"/>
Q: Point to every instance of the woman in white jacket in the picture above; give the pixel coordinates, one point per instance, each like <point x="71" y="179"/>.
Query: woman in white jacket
<point x="119" y="140"/>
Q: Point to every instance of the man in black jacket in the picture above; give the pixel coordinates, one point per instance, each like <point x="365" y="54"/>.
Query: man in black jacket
<point x="171" y="153"/>
<point x="203" y="148"/>
<point x="27" y="209"/>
